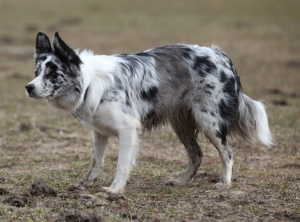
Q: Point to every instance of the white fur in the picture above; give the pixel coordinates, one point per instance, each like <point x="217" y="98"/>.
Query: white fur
<point x="263" y="131"/>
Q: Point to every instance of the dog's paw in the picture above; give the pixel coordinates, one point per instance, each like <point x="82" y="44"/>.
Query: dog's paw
<point x="113" y="194"/>
<point x="87" y="183"/>
<point x="106" y="190"/>
<point x="111" y="190"/>
<point x="90" y="179"/>
<point x="222" y="186"/>
<point x="175" y="182"/>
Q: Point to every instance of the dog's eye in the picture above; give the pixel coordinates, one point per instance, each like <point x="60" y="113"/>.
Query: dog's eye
<point x="53" y="74"/>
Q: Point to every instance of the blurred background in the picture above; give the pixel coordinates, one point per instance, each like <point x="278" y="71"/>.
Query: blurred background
<point x="261" y="37"/>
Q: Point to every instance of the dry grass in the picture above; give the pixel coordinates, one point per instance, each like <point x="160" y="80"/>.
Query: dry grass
<point x="38" y="143"/>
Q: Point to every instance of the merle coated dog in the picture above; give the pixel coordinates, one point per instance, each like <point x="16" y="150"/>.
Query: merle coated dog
<point x="195" y="89"/>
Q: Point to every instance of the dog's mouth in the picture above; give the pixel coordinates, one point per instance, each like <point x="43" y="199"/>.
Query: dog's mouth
<point x="34" y="95"/>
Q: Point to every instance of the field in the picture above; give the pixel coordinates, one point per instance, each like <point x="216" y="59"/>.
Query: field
<point x="44" y="152"/>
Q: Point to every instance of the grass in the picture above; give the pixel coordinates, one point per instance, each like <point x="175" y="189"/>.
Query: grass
<point x="39" y="143"/>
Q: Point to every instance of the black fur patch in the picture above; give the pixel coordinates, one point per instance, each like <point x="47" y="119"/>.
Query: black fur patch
<point x="227" y="112"/>
<point x="151" y="120"/>
<point x="204" y="66"/>
<point x="186" y="53"/>
<point x="223" y="77"/>
<point x="150" y="94"/>
<point x="41" y="58"/>
<point x="222" y="133"/>
<point x="146" y="54"/>
<point x="229" y="87"/>
<point x="64" y="79"/>
<point x="210" y="86"/>
<point x="52" y="73"/>
<point x="232" y="96"/>
<point x="51" y="66"/>
<point x="42" y="44"/>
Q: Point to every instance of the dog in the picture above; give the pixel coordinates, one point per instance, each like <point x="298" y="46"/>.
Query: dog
<point x="195" y="89"/>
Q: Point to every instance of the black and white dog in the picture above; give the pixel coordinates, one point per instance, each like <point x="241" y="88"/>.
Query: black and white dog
<point x="194" y="88"/>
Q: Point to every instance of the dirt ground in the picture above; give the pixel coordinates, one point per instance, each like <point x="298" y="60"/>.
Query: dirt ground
<point x="44" y="152"/>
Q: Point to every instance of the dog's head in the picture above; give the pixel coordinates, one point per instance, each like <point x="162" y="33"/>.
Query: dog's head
<point x="57" y="73"/>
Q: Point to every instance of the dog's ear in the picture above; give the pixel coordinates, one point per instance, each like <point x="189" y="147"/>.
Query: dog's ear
<point x="64" y="52"/>
<point x="43" y="44"/>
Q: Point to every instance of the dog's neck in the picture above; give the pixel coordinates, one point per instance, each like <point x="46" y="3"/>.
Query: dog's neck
<point x="77" y="114"/>
<point x="69" y="102"/>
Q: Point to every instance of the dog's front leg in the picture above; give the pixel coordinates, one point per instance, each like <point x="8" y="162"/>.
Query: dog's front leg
<point x="100" y="143"/>
<point x="128" y="149"/>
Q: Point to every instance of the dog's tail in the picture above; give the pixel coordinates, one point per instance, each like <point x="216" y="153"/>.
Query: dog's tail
<point x="252" y="121"/>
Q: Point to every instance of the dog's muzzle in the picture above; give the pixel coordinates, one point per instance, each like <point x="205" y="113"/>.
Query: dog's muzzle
<point x="31" y="92"/>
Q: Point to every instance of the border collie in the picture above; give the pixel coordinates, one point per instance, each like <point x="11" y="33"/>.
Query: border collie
<point x="195" y="89"/>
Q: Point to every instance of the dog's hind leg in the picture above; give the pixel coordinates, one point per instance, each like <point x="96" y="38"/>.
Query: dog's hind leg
<point x="100" y="143"/>
<point x="216" y="132"/>
<point x="184" y="126"/>
<point x="226" y="156"/>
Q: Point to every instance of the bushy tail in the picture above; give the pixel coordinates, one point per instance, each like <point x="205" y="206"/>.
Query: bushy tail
<point x="252" y="121"/>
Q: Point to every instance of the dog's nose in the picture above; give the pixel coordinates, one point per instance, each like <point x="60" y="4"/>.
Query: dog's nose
<point x="30" y="87"/>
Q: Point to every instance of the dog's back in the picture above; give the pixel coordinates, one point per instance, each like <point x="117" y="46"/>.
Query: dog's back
<point x="165" y="79"/>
